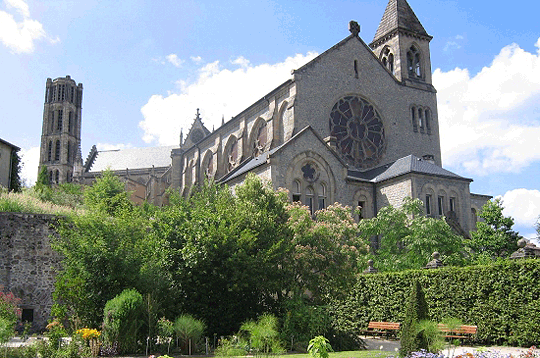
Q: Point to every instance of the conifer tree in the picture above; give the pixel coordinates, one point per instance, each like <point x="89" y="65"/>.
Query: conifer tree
<point x="416" y="310"/>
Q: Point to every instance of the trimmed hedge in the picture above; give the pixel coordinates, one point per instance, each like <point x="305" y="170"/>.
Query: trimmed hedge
<point x="501" y="299"/>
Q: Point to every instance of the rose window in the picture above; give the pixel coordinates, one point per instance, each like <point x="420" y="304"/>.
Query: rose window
<point x="359" y="132"/>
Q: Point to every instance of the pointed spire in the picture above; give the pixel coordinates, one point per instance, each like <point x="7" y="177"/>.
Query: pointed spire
<point x="181" y="137"/>
<point x="222" y="119"/>
<point x="399" y="16"/>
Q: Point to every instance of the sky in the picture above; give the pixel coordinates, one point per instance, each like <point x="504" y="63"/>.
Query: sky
<point x="146" y="66"/>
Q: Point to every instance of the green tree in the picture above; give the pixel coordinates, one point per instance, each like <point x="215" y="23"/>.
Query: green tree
<point x="122" y="320"/>
<point x="263" y="336"/>
<point x="16" y="167"/>
<point x="408" y="238"/>
<point x="416" y="311"/>
<point x="494" y="236"/>
<point x="326" y="250"/>
<point x="107" y="194"/>
<point x="187" y="329"/>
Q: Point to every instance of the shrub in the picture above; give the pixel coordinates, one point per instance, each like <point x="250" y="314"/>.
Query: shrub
<point x="188" y="328"/>
<point x="319" y="347"/>
<point x="263" y="335"/>
<point x="303" y="321"/>
<point x="123" y="320"/>
<point x="412" y="339"/>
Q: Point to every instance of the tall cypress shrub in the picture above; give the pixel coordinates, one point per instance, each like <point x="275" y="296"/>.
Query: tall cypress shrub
<point x="416" y="310"/>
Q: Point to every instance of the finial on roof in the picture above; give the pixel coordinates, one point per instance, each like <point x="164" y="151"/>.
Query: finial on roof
<point x="181" y="136"/>
<point x="354" y="28"/>
<point x="222" y="119"/>
<point x="198" y="114"/>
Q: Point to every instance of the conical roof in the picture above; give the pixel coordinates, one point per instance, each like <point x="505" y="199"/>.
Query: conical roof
<point x="399" y="15"/>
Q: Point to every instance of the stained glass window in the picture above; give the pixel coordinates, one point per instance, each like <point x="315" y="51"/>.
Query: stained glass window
<point x="359" y="132"/>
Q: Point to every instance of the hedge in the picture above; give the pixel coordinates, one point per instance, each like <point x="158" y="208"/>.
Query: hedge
<point x="501" y="299"/>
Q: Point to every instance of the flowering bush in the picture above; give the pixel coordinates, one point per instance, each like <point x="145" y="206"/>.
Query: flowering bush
<point x="425" y="354"/>
<point x="88" y="333"/>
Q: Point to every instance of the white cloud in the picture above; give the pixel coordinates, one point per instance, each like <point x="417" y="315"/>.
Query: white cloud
<point x="30" y="160"/>
<point x="489" y="122"/>
<point x="174" y="59"/>
<point x="19" y="36"/>
<point x="196" y="59"/>
<point x="523" y="205"/>
<point x="218" y="91"/>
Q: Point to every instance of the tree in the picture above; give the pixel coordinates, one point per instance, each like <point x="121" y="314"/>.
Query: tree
<point x="416" y="311"/>
<point x="408" y="238"/>
<point x="16" y="167"/>
<point x="494" y="236"/>
<point x="107" y="194"/>
<point x="326" y="250"/>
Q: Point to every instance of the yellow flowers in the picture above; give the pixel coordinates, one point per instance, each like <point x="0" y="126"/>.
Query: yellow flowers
<point x="88" y="333"/>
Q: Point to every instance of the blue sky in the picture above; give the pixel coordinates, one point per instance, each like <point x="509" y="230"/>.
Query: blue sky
<point x="146" y="66"/>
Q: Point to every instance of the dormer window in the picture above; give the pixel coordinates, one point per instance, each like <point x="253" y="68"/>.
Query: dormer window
<point x="413" y="63"/>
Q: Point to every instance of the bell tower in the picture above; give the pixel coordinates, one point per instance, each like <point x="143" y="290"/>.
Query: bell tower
<point x="61" y="132"/>
<point x="402" y="45"/>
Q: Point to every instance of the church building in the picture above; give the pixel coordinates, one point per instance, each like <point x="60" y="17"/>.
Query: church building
<point x="356" y="125"/>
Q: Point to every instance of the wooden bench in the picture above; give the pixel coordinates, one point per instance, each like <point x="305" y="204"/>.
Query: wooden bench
<point x="380" y="328"/>
<point x="461" y="332"/>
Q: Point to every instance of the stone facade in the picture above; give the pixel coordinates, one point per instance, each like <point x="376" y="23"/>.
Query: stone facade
<point x="28" y="263"/>
<point x="61" y="132"/>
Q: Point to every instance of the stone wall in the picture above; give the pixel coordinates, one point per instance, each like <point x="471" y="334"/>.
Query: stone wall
<point x="28" y="263"/>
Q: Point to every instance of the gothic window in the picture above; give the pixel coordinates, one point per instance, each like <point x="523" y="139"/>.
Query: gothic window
<point x="69" y="152"/>
<point x="59" y="121"/>
<point x="49" y="151"/>
<point x="208" y="164"/>
<point x="75" y="124"/>
<point x="427" y="114"/>
<point x="57" y="151"/>
<point x="70" y="122"/>
<point x="57" y="176"/>
<point x="297" y="191"/>
<point x="322" y="196"/>
<point x="69" y="177"/>
<point x="421" y="119"/>
<point x="428" y="204"/>
<point x="72" y="93"/>
<point x="232" y="155"/>
<point x="63" y="92"/>
<point x="260" y="141"/>
<point x="452" y="203"/>
<point x="51" y="177"/>
<point x="388" y="59"/>
<point x="309" y="199"/>
<point x="413" y="63"/>
<point x="359" y="132"/>
<point x="440" y="205"/>
<point x="51" y="121"/>
<point x="54" y="93"/>
<point x="413" y="117"/>
<point x="361" y="209"/>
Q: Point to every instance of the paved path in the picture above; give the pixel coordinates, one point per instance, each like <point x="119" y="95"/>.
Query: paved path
<point x="393" y="346"/>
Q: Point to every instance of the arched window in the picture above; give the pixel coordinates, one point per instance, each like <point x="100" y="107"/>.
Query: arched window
<point x="57" y="151"/>
<point x="59" y="121"/>
<point x="69" y="152"/>
<point x="69" y="177"/>
<point x="49" y="151"/>
<point x="232" y="154"/>
<point x="322" y="196"/>
<point x="413" y="63"/>
<point x="260" y="139"/>
<point x="474" y="217"/>
<point x="388" y="59"/>
<point x="296" y="191"/>
<point x="413" y="118"/>
<point x="70" y="122"/>
<point x="309" y="199"/>
<point x="57" y="176"/>
<point x="421" y="119"/>
<point x="51" y="121"/>
<point x="51" y="177"/>
<point x="427" y="114"/>
<point x="208" y="164"/>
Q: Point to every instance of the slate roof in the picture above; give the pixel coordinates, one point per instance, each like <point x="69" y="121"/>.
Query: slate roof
<point x="399" y="15"/>
<point x="132" y="158"/>
<point x="402" y="166"/>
